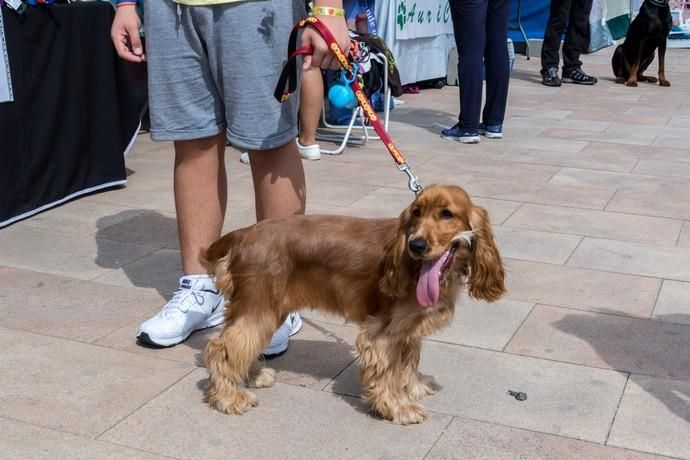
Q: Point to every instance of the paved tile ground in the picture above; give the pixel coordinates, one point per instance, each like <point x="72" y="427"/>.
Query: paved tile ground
<point x="589" y="194"/>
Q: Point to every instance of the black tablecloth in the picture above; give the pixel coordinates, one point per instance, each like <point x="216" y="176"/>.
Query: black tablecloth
<point x="74" y="113"/>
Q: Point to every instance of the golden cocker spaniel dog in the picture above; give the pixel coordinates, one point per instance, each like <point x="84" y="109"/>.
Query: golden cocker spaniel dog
<point x="398" y="279"/>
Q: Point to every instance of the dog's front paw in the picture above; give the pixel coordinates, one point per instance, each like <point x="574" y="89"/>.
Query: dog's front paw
<point x="664" y="83"/>
<point x="632" y="83"/>
<point x="237" y="402"/>
<point x="410" y="413"/>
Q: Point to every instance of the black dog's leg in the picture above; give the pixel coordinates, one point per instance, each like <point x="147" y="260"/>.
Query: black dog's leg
<point x="662" y="57"/>
<point x="618" y="64"/>
<point x="643" y="67"/>
<point x="632" y="78"/>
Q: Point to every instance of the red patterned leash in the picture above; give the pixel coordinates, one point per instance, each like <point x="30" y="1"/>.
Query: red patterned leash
<point x="287" y="84"/>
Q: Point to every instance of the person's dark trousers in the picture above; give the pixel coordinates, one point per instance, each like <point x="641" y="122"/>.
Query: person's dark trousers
<point x="574" y="13"/>
<point x="481" y="35"/>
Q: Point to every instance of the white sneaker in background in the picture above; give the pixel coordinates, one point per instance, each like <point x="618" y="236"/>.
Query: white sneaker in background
<point x="196" y="304"/>
<point x="309" y="152"/>
<point x="281" y="337"/>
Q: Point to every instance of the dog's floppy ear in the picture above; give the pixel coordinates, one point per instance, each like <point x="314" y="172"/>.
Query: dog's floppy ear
<point x="487" y="273"/>
<point x="395" y="280"/>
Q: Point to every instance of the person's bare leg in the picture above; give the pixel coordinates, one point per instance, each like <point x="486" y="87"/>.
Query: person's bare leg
<point x="279" y="185"/>
<point x="201" y="195"/>
<point x="310" y="105"/>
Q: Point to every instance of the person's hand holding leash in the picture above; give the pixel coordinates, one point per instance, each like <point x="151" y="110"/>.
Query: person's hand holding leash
<point x="125" y="33"/>
<point x="332" y="16"/>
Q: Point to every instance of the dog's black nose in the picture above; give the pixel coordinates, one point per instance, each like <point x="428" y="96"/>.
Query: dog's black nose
<point x="418" y="246"/>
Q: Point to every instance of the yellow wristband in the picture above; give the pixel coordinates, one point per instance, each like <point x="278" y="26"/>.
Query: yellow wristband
<point x="327" y="11"/>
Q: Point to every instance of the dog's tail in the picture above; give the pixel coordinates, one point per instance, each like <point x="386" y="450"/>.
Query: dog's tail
<point x="216" y="260"/>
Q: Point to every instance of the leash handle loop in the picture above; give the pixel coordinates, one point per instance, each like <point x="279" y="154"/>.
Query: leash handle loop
<point x="287" y="85"/>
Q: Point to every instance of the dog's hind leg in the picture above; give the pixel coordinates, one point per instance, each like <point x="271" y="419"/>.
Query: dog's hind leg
<point x="643" y="67"/>
<point x="381" y="373"/>
<point x="662" y="58"/>
<point x="229" y="358"/>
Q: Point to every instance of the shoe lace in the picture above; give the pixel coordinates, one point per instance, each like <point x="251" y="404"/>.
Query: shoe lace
<point x="182" y="300"/>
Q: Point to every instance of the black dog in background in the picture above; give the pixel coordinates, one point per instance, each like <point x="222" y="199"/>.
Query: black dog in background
<point x="648" y="32"/>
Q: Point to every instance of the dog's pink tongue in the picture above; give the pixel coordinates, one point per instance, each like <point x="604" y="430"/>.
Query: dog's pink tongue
<point x="428" y="290"/>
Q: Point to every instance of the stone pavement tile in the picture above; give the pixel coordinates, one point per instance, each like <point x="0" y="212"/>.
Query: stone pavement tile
<point x="584" y="159"/>
<point x="684" y="238"/>
<point x="474" y="384"/>
<point x="583" y="126"/>
<point x="465" y="439"/>
<point x="536" y="113"/>
<point x="290" y="422"/>
<point x="316" y="355"/>
<point x="606" y="341"/>
<point x="516" y="243"/>
<point x="332" y="192"/>
<point x="582" y="135"/>
<point x="460" y="164"/>
<point x="76" y="387"/>
<point x="147" y="193"/>
<point x="654" y="416"/>
<point x="581" y="288"/>
<point x="356" y="173"/>
<point x="673" y="304"/>
<point x="81" y="257"/>
<point x="21" y="440"/>
<point x="663" y="168"/>
<point x="618" y="128"/>
<point x="605" y="115"/>
<point x="661" y="200"/>
<point x="65" y="307"/>
<point x="600" y="224"/>
<point x="633" y="258"/>
<point x="679" y="142"/>
<point x="679" y="122"/>
<point x="546" y="143"/>
<point x="563" y="195"/>
<point x="151" y="228"/>
<point x="160" y="270"/>
<point x="484" y="325"/>
<point x="636" y="151"/>
<point x="381" y="202"/>
<point x="603" y="179"/>
<point x="80" y="217"/>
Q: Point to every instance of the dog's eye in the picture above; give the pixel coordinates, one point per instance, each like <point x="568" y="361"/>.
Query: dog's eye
<point x="446" y="214"/>
<point x="416" y="212"/>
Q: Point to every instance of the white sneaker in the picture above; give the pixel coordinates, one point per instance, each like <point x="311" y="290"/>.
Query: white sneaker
<point x="244" y="158"/>
<point x="281" y="337"/>
<point x="309" y="152"/>
<point x="196" y="304"/>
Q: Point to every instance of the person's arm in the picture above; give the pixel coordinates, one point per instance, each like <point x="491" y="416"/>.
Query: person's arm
<point x="125" y="31"/>
<point x="322" y="56"/>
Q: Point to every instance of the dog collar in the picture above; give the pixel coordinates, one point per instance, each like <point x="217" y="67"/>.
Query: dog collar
<point x="659" y="2"/>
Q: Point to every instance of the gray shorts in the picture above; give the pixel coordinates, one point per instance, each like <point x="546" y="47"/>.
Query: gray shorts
<point x="213" y="68"/>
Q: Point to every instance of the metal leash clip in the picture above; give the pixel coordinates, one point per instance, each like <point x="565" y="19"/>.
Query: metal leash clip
<point x="412" y="180"/>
